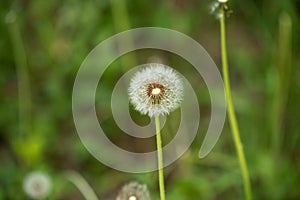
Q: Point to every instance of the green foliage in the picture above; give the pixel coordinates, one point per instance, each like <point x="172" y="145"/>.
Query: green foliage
<point x="58" y="35"/>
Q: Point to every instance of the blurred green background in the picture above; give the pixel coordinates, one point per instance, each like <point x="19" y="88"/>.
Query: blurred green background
<point x="43" y="43"/>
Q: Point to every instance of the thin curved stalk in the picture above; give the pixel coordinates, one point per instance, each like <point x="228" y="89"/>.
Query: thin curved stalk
<point x="82" y="185"/>
<point x="231" y="112"/>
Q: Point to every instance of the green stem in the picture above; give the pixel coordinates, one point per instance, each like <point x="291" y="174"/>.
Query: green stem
<point x="122" y="23"/>
<point x="231" y="112"/>
<point x="283" y="77"/>
<point x="22" y="73"/>
<point x="160" y="159"/>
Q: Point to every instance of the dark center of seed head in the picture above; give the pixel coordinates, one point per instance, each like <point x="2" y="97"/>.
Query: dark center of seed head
<point x="155" y="91"/>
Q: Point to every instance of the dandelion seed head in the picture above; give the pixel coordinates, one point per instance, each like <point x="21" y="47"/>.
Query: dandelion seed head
<point x="37" y="185"/>
<point x="222" y="1"/>
<point x="156" y="90"/>
<point x="134" y="191"/>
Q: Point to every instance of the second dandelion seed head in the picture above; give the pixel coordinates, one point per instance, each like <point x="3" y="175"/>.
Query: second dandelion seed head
<point x="156" y="90"/>
<point x="134" y="191"/>
<point x="37" y="185"/>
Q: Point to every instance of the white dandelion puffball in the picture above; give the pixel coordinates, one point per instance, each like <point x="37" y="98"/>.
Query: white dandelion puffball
<point x="156" y="90"/>
<point x="37" y="185"/>
<point x="134" y="191"/>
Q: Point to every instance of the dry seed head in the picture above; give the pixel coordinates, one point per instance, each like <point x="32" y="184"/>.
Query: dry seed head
<point x="37" y="185"/>
<point x="156" y="90"/>
<point x="134" y="191"/>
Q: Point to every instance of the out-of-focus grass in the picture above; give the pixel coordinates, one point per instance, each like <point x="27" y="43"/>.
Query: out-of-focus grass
<point x="57" y="35"/>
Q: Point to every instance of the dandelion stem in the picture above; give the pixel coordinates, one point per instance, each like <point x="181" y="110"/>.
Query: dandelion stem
<point x="160" y="159"/>
<point x="231" y="112"/>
